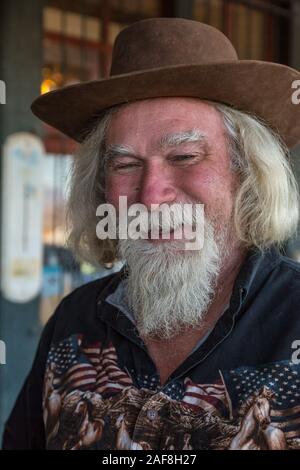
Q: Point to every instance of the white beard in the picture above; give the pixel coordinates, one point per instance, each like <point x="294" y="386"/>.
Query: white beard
<point x="168" y="290"/>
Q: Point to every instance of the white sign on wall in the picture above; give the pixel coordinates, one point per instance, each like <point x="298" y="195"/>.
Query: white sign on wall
<point x="22" y="212"/>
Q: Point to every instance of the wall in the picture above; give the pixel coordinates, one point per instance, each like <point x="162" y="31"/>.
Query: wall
<point x="20" y="68"/>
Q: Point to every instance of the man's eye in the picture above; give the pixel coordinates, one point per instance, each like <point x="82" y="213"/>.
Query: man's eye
<point x="183" y="158"/>
<point x="124" y="166"/>
<point x="127" y="165"/>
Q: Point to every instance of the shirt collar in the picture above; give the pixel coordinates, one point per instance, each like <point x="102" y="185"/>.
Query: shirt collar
<point x="119" y="300"/>
<point x="254" y="269"/>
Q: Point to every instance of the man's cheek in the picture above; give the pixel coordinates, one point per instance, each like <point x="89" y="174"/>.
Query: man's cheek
<point x="116" y="190"/>
<point x="111" y="194"/>
<point x="112" y="188"/>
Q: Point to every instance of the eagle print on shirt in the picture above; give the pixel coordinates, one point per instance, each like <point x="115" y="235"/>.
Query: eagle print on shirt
<point x="89" y="402"/>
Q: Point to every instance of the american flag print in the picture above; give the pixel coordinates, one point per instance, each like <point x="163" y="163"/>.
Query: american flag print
<point x="282" y="379"/>
<point x="91" y="402"/>
<point x="206" y="397"/>
<point x="78" y="365"/>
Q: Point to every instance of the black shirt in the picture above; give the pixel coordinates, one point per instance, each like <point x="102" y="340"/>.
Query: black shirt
<point x="95" y="386"/>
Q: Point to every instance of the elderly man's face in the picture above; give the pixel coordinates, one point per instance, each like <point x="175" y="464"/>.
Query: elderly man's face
<point x="172" y="150"/>
<point x="160" y="163"/>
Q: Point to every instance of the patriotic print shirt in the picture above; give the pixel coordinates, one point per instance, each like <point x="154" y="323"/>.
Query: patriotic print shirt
<point x="93" y="384"/>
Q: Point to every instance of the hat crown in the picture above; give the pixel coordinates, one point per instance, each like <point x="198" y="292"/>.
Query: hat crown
<point x="163" y="42"/>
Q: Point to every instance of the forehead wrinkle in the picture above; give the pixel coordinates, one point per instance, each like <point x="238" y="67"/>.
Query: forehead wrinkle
<point x="178" y="138"/>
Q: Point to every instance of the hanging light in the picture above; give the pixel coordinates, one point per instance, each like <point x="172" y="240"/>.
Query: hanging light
<point x="48" y="85"/>
<point x="52" y="79"/>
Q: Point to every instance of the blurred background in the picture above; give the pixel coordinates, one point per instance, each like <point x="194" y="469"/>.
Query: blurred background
<point x="47" y="44"/>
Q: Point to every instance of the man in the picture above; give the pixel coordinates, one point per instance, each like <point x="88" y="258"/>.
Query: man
<point x="184" y="348"/>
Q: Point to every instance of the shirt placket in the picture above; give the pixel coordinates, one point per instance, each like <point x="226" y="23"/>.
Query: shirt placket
<point x="151" y="419"/>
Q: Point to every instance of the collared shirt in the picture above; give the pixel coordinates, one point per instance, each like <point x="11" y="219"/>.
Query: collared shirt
<point x="93" y="384"/>
<point x="119" y="300"/>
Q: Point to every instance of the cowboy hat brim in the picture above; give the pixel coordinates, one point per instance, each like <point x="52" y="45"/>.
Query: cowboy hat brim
<point x="261" y="88"/>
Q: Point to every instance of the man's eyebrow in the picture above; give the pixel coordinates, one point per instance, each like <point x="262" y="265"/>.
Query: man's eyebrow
<point x="117" y="150"/>
<point x="179" y="138"/>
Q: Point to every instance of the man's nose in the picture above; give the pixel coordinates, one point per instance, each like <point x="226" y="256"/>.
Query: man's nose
<point x="157" y="186"/>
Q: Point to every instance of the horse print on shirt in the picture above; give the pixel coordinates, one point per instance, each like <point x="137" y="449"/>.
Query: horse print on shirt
<point x="90" y="402"/>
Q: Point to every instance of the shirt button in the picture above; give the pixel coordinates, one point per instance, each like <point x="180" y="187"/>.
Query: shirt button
<point x="152" y="414"/>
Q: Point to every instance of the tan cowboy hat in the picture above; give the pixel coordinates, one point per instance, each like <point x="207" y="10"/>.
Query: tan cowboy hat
<point x="177" y="57"/>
